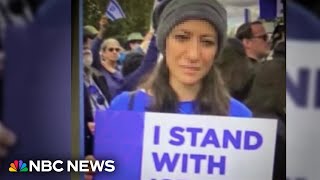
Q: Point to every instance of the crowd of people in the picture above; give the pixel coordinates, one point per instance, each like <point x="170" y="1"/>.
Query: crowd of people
<point x="187" y="64"/>
<point x="184" y="64"/>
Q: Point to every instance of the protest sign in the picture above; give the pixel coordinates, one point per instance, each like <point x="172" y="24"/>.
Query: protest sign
<point x="303" y="100"/>
<point x="158" y="146"/>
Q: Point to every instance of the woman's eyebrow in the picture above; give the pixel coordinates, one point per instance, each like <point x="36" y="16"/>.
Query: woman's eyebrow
<point x="211" y="36"/>
<point x="185" y="31"/>
<point x="182" y="31"/>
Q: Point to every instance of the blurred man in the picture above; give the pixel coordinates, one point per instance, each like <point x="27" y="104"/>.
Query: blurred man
<point x="255" y="41"/>
<point x="90" y="33"/>
<point x="134" y="40"/>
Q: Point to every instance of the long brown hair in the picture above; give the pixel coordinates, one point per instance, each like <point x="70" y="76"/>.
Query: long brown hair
<point x="212" y="99"/>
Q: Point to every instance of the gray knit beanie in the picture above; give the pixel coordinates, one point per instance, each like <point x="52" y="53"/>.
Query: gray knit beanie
<point x="170" y="13"/>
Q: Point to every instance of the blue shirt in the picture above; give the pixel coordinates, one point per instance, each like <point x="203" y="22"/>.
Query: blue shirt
<point x="114" y="80"/>
<point x="142" y="100"/>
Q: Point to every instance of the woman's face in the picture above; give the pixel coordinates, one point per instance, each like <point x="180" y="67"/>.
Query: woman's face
<point x="87" y="57"/>
<point x="190" y="51"/>
<point x="111" y="52"/>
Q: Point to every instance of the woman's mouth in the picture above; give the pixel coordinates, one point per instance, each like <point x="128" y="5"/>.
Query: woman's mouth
<point x="190" y="69"/>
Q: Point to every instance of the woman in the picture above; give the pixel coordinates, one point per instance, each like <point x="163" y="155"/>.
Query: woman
<point x="190" y="35"/>
<point x="109" y="54"/>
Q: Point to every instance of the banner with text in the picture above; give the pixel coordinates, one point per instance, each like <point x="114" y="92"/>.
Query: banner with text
<point x="303" y="93"/>
<point x="158" y="146"/>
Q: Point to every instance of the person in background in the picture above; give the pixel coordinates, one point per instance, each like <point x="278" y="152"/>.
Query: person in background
<point x="235" y="69"/>
<point x="131" y="63"/>
<point x="279" y="51"/>
<point x="136" y="44"/>
<point x="117" y="83"/>
<point x="133" y="44"/>
<point x="109" y="53"/>
<point x="96" y="97"/>
<point x="134" y="41"/>
<point x="255" y="41"/>
<point x="278" y="35"/>
<point x="190" y="35"/>
<point x="90" y="33"/>
<point x="267" y="99"/>
<point x="277" y="42"/>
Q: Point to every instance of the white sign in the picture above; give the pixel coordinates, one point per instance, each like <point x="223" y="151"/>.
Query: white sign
<point x="303" y="103"/>
<point x="192" y="147"/>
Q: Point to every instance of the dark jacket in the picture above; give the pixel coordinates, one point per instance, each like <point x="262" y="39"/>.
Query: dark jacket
<point x="103" y="86"/>
<point x="267" y="99"/>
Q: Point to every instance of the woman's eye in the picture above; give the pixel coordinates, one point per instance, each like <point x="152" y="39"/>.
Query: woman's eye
<point x="181" y="37"/>
<point x="208" y="42"/>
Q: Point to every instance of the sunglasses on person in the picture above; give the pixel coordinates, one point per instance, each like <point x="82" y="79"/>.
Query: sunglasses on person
<point x="135" y="41"/>
<point x="114" y="49"/>
<point x="264" y="37"/>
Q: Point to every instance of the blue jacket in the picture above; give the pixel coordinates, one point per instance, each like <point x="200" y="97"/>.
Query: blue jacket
<point x="142" y="100"/>
<point x="117" y="83"/>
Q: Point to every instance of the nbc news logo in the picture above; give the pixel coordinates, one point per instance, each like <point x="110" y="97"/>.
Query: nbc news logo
<point x="18" y="166"/>
<point x="60" y="166"/>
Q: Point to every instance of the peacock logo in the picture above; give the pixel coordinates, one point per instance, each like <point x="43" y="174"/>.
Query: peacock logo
<point x="18" y="166"/>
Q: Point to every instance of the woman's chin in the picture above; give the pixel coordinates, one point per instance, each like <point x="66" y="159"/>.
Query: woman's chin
<point x="190" y="81"/>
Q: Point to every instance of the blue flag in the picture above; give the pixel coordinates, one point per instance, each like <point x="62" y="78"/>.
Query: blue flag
<point x="114" y="11"/>
<point x="270" y="9"/>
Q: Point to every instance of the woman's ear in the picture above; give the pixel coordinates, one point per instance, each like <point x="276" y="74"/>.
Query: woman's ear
<point x="101" y="57"/>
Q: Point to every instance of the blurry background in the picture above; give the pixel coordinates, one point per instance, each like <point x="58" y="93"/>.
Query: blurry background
<point x="311" y="5"/>
<point x="138" y="15"/>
